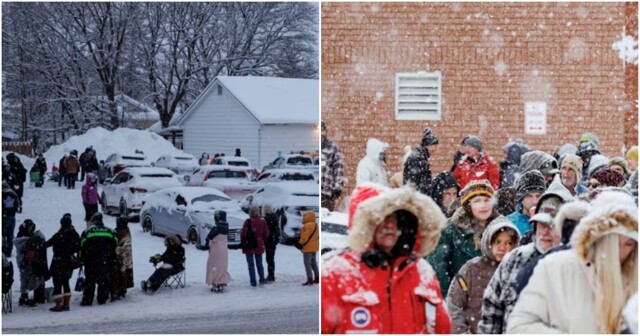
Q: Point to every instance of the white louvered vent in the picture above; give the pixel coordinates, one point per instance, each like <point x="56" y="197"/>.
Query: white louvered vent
<point x="419" y="96"/>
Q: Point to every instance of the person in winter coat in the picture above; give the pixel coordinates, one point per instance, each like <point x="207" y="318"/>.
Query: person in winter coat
<point x="271" y="243"/>
<point x="444" y="191"/>
<point x="90" y="197"/>
<point x="65" y="244"/>
<point x="461" y="238"/>
<point x="172" y="259"/>
<point x="92" y="162"/>
<point x="632" y="158"/>
<point x="476" y="165"/>
<point x="597" y="163"/>
<point x="332" y="171"/>
<point x="417" y="169"/>
<point x="83" y="163"/>
<point x="72" y="165"/>
<point x="255" y="226"/>
<point x="506" y="201"/>
<point x="238" y="152"/>
<point x="218" y="261"/>
<point x="9" y="177"/>
<point x="123" y="268"/>
<point x="395" y="181"/>
<point x="606" y="177"/>
<point x="372" y="167"/>
<point x="40" y="166"/>
<point x="310" y="241"/>
<point x="20" y="173"/>
<point x="583" y="290"/>
<point x="382" y="284"/>
<point x="204" y="159"/>
<point x="10" y="204"/>
<point x="565" y="223"/>
<point x="632" y="184"/>
<point x="570" y="174"/>
<point x="510" y="167"/>
<point x="464" y="299"/>
<point x="531" y="185"/>
<point x="62" y="170"/>
<point x="31" y="256"/>
<point x="619" y="164"/>
<point x="564" y="150"/>
<point x="98" y="255"/>
<point x="500" y="295"/>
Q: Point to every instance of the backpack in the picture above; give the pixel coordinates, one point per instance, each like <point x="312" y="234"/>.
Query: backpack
<point x="249" y="241"/>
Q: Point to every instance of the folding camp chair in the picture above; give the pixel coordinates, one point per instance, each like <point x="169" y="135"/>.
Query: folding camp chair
<point x="177" y="280"/>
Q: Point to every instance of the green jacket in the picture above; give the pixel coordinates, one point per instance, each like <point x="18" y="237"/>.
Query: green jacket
<point x="456" y="246"/>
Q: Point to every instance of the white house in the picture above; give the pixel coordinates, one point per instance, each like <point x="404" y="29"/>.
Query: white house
<point x="263" y="116"/>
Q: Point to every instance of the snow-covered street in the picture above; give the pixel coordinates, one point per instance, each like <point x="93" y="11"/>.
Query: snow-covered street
<point x="162" y="311"/>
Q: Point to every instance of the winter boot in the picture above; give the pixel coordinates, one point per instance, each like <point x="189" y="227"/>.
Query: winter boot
<point x="39" y="295"/>
<point x="59" y="305"/>
<point x="25" y="301"/>
<point x="316" y="280"/>
<point x="308" y="283"/>
<point x="66" y="299"/>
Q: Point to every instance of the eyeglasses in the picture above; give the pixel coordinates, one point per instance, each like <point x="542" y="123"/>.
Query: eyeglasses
<point x="594" y="184"/>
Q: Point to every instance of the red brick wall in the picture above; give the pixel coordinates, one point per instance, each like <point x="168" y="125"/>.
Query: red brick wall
<point x="631" y="80"/>
<point x="559" y="53"/>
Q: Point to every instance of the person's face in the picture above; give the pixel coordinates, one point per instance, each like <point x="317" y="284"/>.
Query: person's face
<point x="626" y="245"/>
<point x="530" y="200"/>
<point x="633" y="164"/>
<point x="473" y="152"/>
<point x="546" y="237"/>
<point x="433" y="149"/>
<point x="481" y="207"/>
<point x="568" y="177"/>
<point x="619" y="169"/>
<point x="387" y="233"/>
<point x="449" y="195"/>
<point x="593" y="185"/>
<point x="501" y="245"/>
<point x="586" y="157"/>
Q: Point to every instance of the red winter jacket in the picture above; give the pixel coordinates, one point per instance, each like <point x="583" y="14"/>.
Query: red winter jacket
<point x="404" y="298"/>
<point x="486" y="168"/>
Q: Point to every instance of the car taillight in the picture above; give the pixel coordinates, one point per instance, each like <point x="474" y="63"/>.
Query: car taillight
<point x="206" y="177"/>
<point x="135" y="190"/>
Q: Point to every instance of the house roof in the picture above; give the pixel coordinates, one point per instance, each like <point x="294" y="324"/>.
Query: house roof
<point x="270" y="100"/>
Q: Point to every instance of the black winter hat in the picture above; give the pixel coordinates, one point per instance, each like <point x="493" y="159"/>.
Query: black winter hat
<point x="96" y="218"/>
<point x="66" y="220"/>
<point x="588" y="147"/>
<point x="530" y="181"/>
<point x="323" y="125"/>
<point x="442" y="182"/>
<point x="473" y="141"/>
<point x="220" y="216"/>
<point x="428" y="138"/>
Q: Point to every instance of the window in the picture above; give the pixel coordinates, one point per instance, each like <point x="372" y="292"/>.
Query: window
<point x="419" y="96"/>
<point x="219" y="90"/>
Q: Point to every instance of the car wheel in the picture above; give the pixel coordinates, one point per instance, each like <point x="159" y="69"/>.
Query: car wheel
<point x="192" y="236"/>
<point x="147" y="225"/>
<point x="124" y="212"/>
<point x="103" y="204"/>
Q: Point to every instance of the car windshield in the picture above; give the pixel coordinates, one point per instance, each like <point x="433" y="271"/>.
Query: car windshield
<point x="333" y="228"/>
<point x="209" y="198"/>
<point x="238" y="163"/>
<point x="296" y="177"/>
<point x="299" y="161"/>
<point x="227" y="174"/>
<point x="306" y="194"/>
<point x="183" y="158"/>
<point x="138" y="158"/>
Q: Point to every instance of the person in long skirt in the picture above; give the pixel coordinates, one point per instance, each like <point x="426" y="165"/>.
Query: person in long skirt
<point x="218" y="261"/>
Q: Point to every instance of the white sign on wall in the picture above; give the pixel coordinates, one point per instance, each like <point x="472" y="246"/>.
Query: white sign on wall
<point x="535" y="118"/>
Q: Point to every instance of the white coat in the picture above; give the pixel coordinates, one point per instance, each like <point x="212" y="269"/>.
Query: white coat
<point x="371" y="168"/>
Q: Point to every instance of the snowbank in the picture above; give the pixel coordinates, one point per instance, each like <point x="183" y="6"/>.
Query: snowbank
<point x="122" y="140"/>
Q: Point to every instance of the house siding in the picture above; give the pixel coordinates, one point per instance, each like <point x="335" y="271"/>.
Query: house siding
<point x="287" y="138"/>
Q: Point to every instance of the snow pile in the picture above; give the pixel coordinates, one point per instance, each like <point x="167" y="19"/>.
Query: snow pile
<point x="627" y="49"/>
<point x="121" y="140"/>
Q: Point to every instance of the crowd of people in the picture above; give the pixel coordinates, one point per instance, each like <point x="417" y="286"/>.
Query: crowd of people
<point x="537" y="243"/>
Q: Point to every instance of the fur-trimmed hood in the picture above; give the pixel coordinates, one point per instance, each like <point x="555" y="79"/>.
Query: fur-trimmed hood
<point x="371" y="212"/>
<point x="611" y="212"/>
<point x="496" y="225"/>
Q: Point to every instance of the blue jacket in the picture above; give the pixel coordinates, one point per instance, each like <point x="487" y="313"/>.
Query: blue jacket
<point x="581" y="190"/>
<point x="520" y="220"/>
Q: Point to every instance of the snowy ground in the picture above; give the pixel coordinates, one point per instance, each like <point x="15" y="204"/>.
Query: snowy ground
<point x="195" y="302"/>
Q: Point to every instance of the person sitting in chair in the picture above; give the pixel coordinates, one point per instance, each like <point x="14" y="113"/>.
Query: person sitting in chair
<point x="172" y="263"/>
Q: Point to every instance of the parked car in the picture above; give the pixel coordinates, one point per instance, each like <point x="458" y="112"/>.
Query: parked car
<point x="294" y="161"/>
<point x="289" y="201"/>
<point x="188" y="213"/>
<point x="237" y="161"/>
<point x="124" y="193"/>
<point x="286" y="175"/>
<point x="181" y="164"/>
<point x="333" y="229"/>
<point x="231" y="180"/>
<point x="116" y="162"/>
